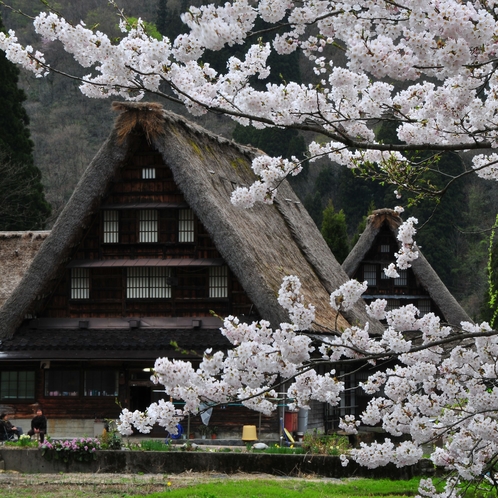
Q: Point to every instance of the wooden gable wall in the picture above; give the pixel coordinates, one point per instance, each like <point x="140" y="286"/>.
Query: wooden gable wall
<point x="398" y="292"/>
<point x="188" y="264"/>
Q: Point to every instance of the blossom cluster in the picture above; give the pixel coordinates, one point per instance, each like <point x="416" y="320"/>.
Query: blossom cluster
<point x="443" y="50"/>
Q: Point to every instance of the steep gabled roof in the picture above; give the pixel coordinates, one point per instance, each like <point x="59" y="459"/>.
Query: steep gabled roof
<point x="17" y="250"/>
<point x="260" y="245"/>
<point x="453" y="313"/>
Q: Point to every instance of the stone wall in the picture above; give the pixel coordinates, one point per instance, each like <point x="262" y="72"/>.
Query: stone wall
<point x="31" y="461"/>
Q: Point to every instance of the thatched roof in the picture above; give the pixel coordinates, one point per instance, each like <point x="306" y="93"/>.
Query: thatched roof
<point x="453" y="313"/>
<point x="260" y="245"/>
<point x="17" y="250"/>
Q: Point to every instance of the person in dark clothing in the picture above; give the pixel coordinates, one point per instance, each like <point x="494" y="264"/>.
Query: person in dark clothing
<point x="11" y="429"/>
<point x="39" y="425"/>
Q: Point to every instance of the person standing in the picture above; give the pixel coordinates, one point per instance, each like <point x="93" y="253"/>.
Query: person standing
<point x="39" y="425"/>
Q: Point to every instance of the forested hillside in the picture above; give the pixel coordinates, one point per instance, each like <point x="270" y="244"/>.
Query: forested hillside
<point x="67" y="129"/>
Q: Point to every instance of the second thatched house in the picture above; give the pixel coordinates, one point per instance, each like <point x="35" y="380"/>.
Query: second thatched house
<point x="419" y="285"/>
<point x="146" y="247"/>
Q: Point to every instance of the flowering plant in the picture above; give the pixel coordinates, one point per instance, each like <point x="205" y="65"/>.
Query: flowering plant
<point x="24" y="440"/>
<point x="79" y="449"/>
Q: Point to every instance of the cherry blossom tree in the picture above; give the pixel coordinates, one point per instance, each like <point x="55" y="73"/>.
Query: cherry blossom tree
<point x="429" y="67"/>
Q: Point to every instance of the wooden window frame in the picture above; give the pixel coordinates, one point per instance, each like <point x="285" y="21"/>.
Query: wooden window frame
<point x="424" y="306"/>
<point x="144" y="282"/>
<point x="96" y="390"/>
<point x="25" y="389"/>
<point x="370" y="269"/>
<point x="186" y="226"/>
<point x="218" y="282"/>
<point x="55" y="387"/>
<point x="402" y="280"/>
<point x="110" y="226"/>
<point x="148" y="173"/>
<point x="148" y="226"/>
<point x="80" y="284"/>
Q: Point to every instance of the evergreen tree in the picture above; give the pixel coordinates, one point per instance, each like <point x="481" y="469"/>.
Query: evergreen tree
<point x="362" y="224"/>
<point x="25" y="208"/>
<point x="313" y="204"/>
<point x="162" y="17"/>
<point x="335" y="232"/>
<point x="168" y="21"/>
<point x="489" y="310"/>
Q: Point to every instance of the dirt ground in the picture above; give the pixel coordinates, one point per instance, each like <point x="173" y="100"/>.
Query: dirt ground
<point x="14" y="484"/>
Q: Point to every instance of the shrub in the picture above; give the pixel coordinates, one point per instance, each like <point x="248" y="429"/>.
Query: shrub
<point x="283" y="450"/>
<point x="153" y="445"/>
<point x="323" y="444"/>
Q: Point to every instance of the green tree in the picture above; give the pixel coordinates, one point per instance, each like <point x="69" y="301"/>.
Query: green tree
<point x="489" y="309"/>
<point x="168" y="20"/>
<point x="27" y="207"/>
<point x="313" y="204"/>
<point x="362" y="224"/>
<point x="335" y="232"/>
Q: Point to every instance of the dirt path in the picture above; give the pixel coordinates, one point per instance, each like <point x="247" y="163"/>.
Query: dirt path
<point x="14" y="484"/>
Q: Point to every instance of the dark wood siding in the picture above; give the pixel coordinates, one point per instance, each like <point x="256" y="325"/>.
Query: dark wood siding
<point x="129" y="193"/>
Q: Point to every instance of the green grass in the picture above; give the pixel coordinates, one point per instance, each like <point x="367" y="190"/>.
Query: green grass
<point x="152" y="445"/>
<point x="293" y="488"/>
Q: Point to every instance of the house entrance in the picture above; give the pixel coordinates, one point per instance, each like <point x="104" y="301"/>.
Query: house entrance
<point x="140" y="397"/>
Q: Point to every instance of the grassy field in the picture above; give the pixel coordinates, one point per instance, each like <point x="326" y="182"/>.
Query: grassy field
<point x="190" y="485"/>
<point x="292" y="488"/>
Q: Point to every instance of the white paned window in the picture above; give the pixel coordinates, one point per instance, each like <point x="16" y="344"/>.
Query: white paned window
<point x="186" y="232"/>
<point x="370" y="274"/>
<point x="148" y="283"/>
<point x="218" y="281"/>
<point x="80" y="283"/>
<point x="111" y="226"/>
<point x="148" y="173"/>
<point x="148" y="225"/>
<point x="403" y="278"/>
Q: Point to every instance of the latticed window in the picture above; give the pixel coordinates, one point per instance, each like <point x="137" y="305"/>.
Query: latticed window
<point x="17" y="384"/>
<point x="101" y="383"/>
<point x="392" y="304"/>
<point x="186" y="226"/>
<point x="424" y="306"/>
<point x="148" y="283"/>
<point x="218" y="281"/>
<point x="111" y="226"/>
<point x="402" y="280"/>
<point x="80" y="283"/>
<point x="148" y="225"/>
<point x="62" y="382"/>
<point x="148" y="173"/>
<point x="385" y="248"/>
<point x="370" y="274"/>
